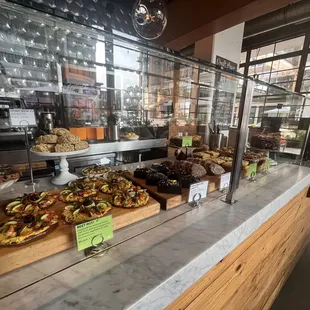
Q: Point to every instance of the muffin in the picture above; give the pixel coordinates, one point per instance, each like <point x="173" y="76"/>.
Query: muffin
<point x="65" y="147"/>
<point x="68" y="138"/>
<point x="60" y="131"/>
<point x="48" y="139"/>
<point x="82" y="145"/>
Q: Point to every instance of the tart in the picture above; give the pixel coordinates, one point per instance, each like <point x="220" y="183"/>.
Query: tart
<point x="169" y="187"/>
<point x="96" y="170"/>
<point x="86" y="210"/>
<point x="86" y="183"/>
<point x="30" y="203"/>
<point x="106" y="188"/>
<point x="133" y="198"/>
<point x="69" y="195"/>
<point x="25" y="227"/>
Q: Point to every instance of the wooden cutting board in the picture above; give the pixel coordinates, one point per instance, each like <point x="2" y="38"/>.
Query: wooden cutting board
<point x="63" y="236"/>
<point x="169" y="201"/>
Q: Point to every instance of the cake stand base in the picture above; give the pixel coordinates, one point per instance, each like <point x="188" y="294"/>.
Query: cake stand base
<point x="65" y="176"/>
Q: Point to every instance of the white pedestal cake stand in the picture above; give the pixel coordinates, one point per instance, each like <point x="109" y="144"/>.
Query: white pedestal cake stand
<point x="65" y="176"/>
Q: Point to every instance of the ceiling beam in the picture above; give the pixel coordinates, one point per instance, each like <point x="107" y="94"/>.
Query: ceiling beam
<point x="192" y="20"/>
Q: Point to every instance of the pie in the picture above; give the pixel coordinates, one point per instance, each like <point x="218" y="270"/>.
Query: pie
<point x="96" y="170"/>
<point x="132" y="198"/>
<point x="30" y="203"/>
<point x="70" y="195"/>
<point x="24" y="227"/>
<point x="86" y="210"/>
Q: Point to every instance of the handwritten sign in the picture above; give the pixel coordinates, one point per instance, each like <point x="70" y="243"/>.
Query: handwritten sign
<point x="187" y="141"/>
<point x="94" y="232"/>
<point x="198" y="191"/>
<point x="22" y="117"/>
<point x="224" y="181"/>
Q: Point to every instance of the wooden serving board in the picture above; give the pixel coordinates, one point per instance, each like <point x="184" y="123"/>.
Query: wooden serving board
<point x="63" y="236"/>
<point x="169" y="201"/>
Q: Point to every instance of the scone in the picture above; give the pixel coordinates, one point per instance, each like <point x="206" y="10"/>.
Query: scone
<point x="60" y="131"/>
<point x="69" y="138"/>
<point x="43" y="148"/>
<point x="48" y="139"/>
<point x="65" y="147"/>
<point x="82" y="145"/>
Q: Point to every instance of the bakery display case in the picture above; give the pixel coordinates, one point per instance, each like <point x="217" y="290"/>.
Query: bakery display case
<point x="220" y="128"/>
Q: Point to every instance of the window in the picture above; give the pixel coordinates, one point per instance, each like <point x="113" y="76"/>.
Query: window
<point x="262" y="52"/>
<point x="289" y="46"/>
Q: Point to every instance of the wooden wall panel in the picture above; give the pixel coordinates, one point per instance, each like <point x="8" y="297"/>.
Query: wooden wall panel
<point x="251" y="276"/>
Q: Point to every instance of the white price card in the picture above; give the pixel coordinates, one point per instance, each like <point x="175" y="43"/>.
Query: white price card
<point x="22" y="117"/>
<point x="225" y="180"/>
<point x="198" y="191"/>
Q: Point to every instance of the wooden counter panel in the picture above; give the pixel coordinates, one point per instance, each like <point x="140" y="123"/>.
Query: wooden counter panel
<point x="249" y="276"/>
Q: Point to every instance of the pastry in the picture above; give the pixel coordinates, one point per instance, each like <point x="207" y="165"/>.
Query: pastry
<point x="82" y="145"/>
<point x="60" y="148"/>
<point x="68" y="138"/>
<point x="203" y="162"/>
<point x="188" y="168"/>
<point x="141" y="173"/>
<point x="7" y="173"/>
<point x="133" y="198"/>
<point x="202" y="155"/>
<point x="30" y="203"/>
<point x="169" y="187"/>
<point x="70" y="195"/>
<point x="166" y="163"/>
<point x="159" y="168"/>
<point x="187" y="180"/>
<point x="96" y="170"/>
<point x="153" y="178"/>
<point x="60" y="131"/>
<point x="86" y="183"/>
<point x="215" y="169"/>
<point x="86" y="210"/>
<point x="43" y="148"/>
<point x="25" y="227"/>
<point x="47" y="139"/>
<point x="227" y="166"/>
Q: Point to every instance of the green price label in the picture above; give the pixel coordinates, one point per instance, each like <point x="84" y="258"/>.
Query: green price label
<point x="268" y="163"/>
<point x="187" y="141"/>
<point x="94" y="232"/>
<point x="252" y="170"/>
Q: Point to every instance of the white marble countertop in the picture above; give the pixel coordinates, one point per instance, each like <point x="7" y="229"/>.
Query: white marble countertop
<point x="149" y="268"/>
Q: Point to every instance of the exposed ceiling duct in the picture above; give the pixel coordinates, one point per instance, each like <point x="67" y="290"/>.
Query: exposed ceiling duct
<point x="293" y="14"/>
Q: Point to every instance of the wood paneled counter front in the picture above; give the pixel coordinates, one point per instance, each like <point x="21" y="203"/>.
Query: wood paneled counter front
<point x="215" y="257"/>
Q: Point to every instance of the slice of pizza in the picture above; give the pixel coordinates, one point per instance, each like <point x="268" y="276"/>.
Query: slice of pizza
<point x="87" y="210"/>
<point x="23" y="227"/>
